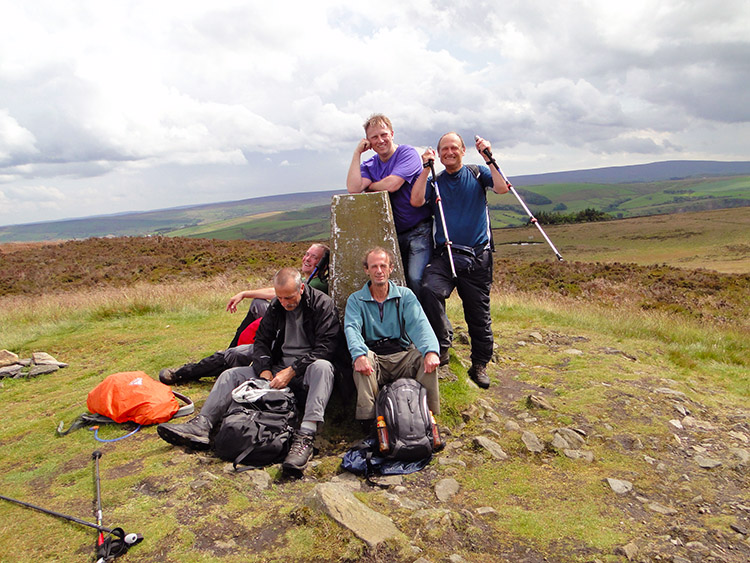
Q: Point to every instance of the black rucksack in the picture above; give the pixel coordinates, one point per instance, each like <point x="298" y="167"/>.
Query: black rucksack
<point x="403" y="406"/>
<point x="259" y="432"/>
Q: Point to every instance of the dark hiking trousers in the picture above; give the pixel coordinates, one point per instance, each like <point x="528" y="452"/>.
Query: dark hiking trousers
<point x="473" y="282"/>
<point x="215" y="364"/>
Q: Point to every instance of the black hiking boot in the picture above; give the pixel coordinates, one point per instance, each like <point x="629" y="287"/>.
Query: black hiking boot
<point x="300" y="451"/>
<point x="444" y="357"/>
<point x="169" y="376"/>
<point x="478" y="374"/>
<point x="192" y="434"/>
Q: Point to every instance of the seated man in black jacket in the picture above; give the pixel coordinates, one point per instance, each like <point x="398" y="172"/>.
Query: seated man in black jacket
<point x="294" y="347"/>
<point x="315" y="270"/>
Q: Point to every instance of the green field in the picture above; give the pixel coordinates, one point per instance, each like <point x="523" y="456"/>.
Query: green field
<point x="616" y="341"/>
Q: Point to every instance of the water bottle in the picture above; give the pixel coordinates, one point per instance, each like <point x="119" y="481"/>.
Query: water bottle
<point x="437" y="440"/>
<point x="382" y="435"/>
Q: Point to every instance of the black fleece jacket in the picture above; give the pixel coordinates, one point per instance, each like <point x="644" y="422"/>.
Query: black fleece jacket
<point x="320" y="321"/>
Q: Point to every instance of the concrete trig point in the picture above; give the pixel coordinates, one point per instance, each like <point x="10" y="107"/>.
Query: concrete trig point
<point x="359" y="222"/>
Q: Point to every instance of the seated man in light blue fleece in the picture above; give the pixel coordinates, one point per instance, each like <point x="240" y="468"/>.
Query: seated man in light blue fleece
<point x="389" y="337"/>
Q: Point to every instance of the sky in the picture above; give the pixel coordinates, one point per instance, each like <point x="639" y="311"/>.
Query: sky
<point x="109" y="107"/>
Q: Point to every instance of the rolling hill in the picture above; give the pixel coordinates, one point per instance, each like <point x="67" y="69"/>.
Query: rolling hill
<point x="623" y="191"/>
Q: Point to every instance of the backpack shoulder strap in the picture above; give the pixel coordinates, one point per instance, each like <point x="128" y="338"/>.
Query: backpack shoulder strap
<point x="475" y="171"/>
<point x="187" y="408"/>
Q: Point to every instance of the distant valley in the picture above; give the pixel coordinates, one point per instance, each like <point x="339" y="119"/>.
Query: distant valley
<point x="622" y="191"/>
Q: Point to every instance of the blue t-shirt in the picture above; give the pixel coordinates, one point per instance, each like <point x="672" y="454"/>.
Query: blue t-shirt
<point x="464" y="202"/>
<point x="406" y="163"/>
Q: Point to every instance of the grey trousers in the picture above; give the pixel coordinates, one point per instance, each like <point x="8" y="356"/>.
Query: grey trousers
<point x="318" y="380"/>
<point x="391" y="367"/>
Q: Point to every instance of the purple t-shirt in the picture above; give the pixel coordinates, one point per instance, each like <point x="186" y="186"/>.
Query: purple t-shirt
<point x="406" y="164"/>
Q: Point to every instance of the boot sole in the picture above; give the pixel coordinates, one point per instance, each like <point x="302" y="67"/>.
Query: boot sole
<point x="176" y="439"/>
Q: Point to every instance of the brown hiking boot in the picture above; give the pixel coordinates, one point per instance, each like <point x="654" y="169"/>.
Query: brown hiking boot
<point x="300" y="451"/>
<point x="478" y="374"/>
<point x="192" y="434"/>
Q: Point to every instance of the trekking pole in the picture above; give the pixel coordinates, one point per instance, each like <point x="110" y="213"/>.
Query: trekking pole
<point x="439" y="201"/>
<point x="534" y="220"/>
<point x="98" y="512"/>
<point x="58" y="514"/>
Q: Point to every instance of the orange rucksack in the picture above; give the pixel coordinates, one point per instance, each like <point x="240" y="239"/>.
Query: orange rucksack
<point x="133" y="396"/>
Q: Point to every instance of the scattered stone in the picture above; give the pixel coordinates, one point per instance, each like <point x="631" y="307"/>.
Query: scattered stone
<point x="482" y="510"/>
<point x="512" y="426"/>
<point x="492" y="447"/>
<point x="535" y="401"/>
<point x="340" y="504"/>
<point x="579" y="454"/>
<point x="678" y="559"/>
<point x="42" y="369"/>
<point x="446" y="488"/>
<point x="8" y="358"/>
<point x="661" y="509"/>
<point x="387" y="480"/>
<point x="404" y="502"/>
<point x="681" y="409"/>
<point x="258" y="478"/>
<point x="200" y="484"/>
<point x="739" y="436"/>
<point x="739" y="529"/>
<point x="558" y="442"/>
<point x="619" y="486"/>
<point x="690" y="422"/>
<point x="628" y="443"/>
<point x="456" y="558"/>
<point x="572" y="438"/>
<point x="536" y="336"/>
<point x="10" y="371"/>
<point x="630" y="551"/>
<point x="671" y="392"/>
<point x="742" y="455"/>
<point x="707" y="462"/>
<point x="573" y="352"/>
<point x="443" y="460"/>
<point x="532" y="443"/>
<point x="698" y="547"/>
<point x="675" y="424"/>
<point x="44" y="359"/>
<point x="446" y="373"/>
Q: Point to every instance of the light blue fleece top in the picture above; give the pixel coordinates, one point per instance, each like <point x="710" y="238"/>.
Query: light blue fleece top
<point x="363" y="321"/>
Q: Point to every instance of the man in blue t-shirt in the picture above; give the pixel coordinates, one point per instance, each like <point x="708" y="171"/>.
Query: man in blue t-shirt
<point x="393" y="168"/>
<point x="464" y="202"/>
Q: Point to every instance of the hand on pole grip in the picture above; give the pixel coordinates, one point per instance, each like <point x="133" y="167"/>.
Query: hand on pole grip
<point x="487" y="152"/>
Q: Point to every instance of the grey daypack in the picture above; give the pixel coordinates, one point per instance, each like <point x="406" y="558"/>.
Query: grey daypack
<point x="403" y="405"/>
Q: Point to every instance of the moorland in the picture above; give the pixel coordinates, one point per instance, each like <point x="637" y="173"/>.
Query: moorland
<point x="639" y="342"/>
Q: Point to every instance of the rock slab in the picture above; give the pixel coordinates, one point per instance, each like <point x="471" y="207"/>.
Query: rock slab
<point x="340" y="504"/>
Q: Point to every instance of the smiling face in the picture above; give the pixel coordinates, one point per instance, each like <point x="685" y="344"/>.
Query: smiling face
<point x="451" y="151"/>
<point x="311" y="259"/>
<point x="378" y="268"/>
<point x="380" y="137"/>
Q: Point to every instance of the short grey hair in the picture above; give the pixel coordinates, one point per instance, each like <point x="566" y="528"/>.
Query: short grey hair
<point x="287" y="275"/>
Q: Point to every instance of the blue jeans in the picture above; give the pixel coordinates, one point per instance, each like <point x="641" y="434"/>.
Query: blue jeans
<point x="416" y="248"/>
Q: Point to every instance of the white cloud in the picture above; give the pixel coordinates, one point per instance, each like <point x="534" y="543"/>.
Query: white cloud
<point x="178" y="102"/>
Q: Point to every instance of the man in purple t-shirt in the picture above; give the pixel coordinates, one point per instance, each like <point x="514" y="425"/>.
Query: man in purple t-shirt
<point x="394" y="169"/>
